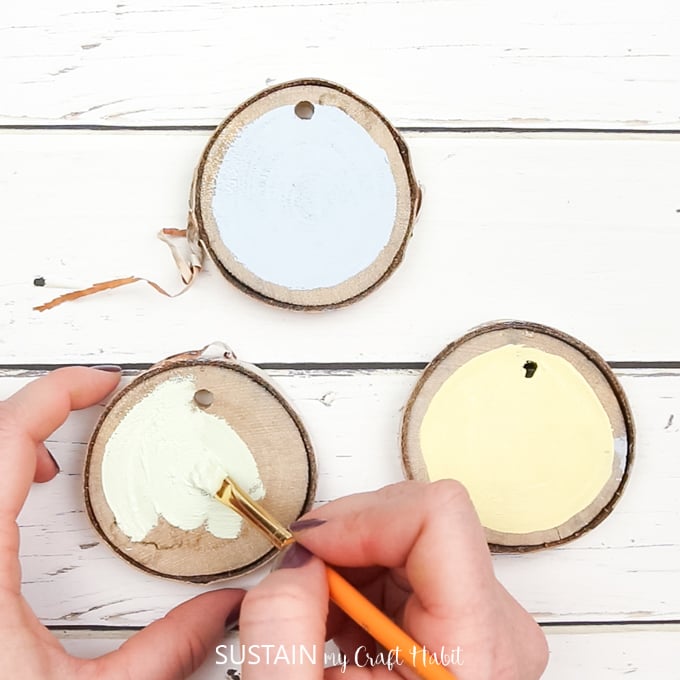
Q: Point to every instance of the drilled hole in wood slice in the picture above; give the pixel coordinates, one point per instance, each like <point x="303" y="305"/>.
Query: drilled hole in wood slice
<point x="543" y="459"/>
<point x="304" y="110"/>
<point x="529" y="368"/>
<point x="307" y="216"/>
<point x="204" y="398"/>
<point x="174" y="449"/>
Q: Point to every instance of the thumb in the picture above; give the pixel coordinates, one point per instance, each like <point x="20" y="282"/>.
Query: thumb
<point x="173" y="647"/>
<point x="283" y="621"/>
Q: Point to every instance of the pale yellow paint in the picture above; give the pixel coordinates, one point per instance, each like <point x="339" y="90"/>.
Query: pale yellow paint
<point x="532" y="452"/>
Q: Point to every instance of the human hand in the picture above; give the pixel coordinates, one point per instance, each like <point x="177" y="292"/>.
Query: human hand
<point x="418" y="552"/>
<point x="171" y="648"/>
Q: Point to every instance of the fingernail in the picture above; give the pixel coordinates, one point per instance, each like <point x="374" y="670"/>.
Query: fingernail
<point x="295" y="556"/>
<point x="231" y="621"/>
<point x="302" y="524"/>
<point x="108" y="368"/>
<point x="54" y="460"/>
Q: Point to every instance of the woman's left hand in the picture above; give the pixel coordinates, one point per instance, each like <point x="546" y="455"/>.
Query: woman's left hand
<point x="170" y="648"/>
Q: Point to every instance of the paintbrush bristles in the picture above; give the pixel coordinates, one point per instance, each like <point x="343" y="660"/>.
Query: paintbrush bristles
<point x="234" y="497"/>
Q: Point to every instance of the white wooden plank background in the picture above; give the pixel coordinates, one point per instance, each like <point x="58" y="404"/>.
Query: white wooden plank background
<point x="576" y="229"/>
<point x="578" y="232"/>
<point x="606" y="64"/>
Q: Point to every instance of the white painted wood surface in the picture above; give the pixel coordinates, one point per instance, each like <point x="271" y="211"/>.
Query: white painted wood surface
<point x="578" y="230"/>
<point x="528" y="63"/>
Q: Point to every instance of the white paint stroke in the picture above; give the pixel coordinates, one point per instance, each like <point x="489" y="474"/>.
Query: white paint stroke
<point x="167" y="457"/>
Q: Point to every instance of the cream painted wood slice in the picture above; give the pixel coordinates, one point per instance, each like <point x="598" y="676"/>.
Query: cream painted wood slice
<point x="177" y="417"/>
<point x="532" y="422"/>
<point x="305" y="196"/>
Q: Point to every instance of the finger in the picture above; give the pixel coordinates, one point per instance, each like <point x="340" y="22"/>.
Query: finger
<point x="355" y="644"/>
<point x="426" y="528"/>
<point x="46" y="467"/>
<point x="43" y="404"/>
<point x="528" y="639"/>
<point x="347" y="635"/>
<point x="388" y="591"/>
<point x="173" y="647"/>
<point x="31" y="415"/>
<point x="287" y="611"/>
<point x="368" y="672"/>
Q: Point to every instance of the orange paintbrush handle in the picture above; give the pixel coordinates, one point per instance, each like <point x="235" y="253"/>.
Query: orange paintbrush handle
<point x="383" y="630"/>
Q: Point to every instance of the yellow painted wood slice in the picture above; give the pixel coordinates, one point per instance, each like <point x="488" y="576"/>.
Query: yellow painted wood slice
<point x="305" y="196"/>
<point x="532" y="422"/>
<point x="161" y="448"/>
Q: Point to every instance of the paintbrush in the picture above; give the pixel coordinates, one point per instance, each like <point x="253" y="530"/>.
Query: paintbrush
<point x="382" y="629"/>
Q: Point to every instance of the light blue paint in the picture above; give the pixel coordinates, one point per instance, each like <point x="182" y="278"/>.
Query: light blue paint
<point x="305" y="203"/>
<point x="620" y="455"/>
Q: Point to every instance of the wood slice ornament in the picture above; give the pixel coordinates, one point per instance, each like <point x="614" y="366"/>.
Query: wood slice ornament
<point x="532" y="422"/>
<point x="305" y="197"/>
<point x="161" y="448"/>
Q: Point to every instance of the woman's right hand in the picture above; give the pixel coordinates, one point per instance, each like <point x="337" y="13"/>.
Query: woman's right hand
<point x="418" y="552"/>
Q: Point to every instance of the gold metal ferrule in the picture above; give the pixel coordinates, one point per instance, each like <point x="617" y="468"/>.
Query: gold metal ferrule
<point x="234" y="497"/>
